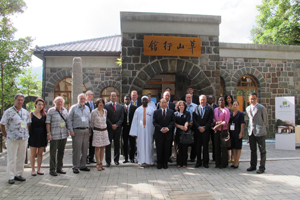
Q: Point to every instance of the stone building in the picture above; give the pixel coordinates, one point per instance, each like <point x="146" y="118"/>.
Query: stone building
<point x="222" y="68"/>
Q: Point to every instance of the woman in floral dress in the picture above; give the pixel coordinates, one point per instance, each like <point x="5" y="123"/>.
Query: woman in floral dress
<point x="100" y="137"/>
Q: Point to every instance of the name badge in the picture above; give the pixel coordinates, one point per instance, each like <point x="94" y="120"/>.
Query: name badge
<point x="83" y="118"/>
<point x="62" y="124"/>
<point x="232" y="127"/>
<point x="22" y="124"/>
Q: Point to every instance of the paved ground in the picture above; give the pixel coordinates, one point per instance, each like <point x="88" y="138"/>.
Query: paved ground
<point x="281" y="181"/>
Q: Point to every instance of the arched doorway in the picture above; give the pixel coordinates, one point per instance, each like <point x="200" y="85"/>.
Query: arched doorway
<point x="105" y="94"/>
<point x="246" y="85"/>
<point x="64" y="88"/>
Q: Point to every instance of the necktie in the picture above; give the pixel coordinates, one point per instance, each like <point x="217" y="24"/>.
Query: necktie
<point x="114" y="106"/>
<point x="127" y="115"/>
<point x="92" y="105"/>
<point x="164" y="114"/>
<point x="134" y="103"/>
<point x="202" y="112"/>
<point x="144" y="117"/>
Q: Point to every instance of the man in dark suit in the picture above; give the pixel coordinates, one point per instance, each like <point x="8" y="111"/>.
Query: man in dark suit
<point x="91" y="105"/>
<point x="211" y="103"/>
<point x="170" y="104"/>
<point x="257" y="131"/>
<point x="128" y="115"/>
<point x="115" y="115"/>
<point x="163" y="120"/>
<point x="195" y="98"/>
<point x="170" y="91"/>
<point x="202" y="119"/>
<point x="134" y="99"/>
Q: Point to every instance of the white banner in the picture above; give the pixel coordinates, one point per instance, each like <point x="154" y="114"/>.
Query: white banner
<point x="285" y="114"/>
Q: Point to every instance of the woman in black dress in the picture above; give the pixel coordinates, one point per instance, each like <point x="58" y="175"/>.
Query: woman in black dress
<point x="237" y="124"/>
<point x="182" y="120"/>
<point x="37" y="136"/>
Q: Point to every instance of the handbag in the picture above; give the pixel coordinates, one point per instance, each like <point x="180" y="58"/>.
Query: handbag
<point x="225" y="138"/>
<point x="187" y="137"/>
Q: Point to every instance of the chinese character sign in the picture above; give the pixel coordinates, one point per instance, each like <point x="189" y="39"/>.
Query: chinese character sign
<point x="172" y="46"/>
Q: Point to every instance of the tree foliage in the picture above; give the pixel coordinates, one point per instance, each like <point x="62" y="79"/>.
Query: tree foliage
<point x="278" y="23"/>
<point x="28" y="83"/>
<point x="14" y="53"/>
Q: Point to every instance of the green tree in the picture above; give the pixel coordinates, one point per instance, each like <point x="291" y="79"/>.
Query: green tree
<point x="28" y="83"/>
<point x="14" y="54"/>
<point x="278" y="23"/>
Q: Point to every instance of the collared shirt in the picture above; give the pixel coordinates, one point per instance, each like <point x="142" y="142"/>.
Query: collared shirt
<point x="202" y="110"/>
<point x="54" y="119"/>
<point x="134" y="102"/>
<point x="79" y="117"/>
<point x="253" y="107"/>
<point x="162" y="111"/>
<point x="190" y="108"/>
<point x="12" y="120"/>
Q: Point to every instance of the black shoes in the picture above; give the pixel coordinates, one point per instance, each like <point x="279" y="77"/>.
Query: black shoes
<point x="20" y="178"/>
<point x="107" y="164"/>
<point x="206" y="165"/>
<point x="126" y="161"/>
<point x="192" y="160"/>
<point x="11" y="181"/>
<point x="53" y="173"/>
<point x="76" y="171"/>
<point x="61" y="172"/>
<point x="170" y="160"/>
<point x="165" y="166"/>
<point x="85" y="169"/>
<point x="251" y="169"/>
<point x="87" y="161"/>
<point x="116" y="163"/>
<point x="158" y="166"/>
<point x="260" y="171"/>
<point x="197" y="165"/>
<point x="92" y="161"/>
<point x="132" y="161"/>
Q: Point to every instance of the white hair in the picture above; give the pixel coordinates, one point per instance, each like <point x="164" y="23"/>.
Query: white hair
<point x="202" y="95"/>
<point x="56" y="98"/>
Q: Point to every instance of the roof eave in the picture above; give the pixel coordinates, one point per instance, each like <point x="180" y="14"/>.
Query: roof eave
<point x="75" y="53"/>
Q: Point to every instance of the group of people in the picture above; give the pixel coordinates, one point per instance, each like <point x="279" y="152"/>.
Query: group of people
<point x="93" y="126"/>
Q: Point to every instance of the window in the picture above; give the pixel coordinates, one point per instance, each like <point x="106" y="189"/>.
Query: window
<point x="105" y="94"/>
<point x="64" y="88"/>
<point x="245" y="86"/>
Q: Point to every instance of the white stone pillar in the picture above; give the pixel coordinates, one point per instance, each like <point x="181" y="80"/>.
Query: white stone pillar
<point x="77" y="80"/>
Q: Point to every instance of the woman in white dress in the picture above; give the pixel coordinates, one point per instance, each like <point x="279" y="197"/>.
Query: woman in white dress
<point x="100" y="137"/>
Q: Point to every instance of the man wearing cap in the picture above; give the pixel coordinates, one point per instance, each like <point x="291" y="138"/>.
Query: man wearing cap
<point x="142" y="129"/>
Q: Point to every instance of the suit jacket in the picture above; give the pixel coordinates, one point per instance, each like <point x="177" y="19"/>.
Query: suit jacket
<point x="258" y="120"/>
<point x="159" y="122"/>
<point x="195" y="99"/>
<point x="132" y="109"/>
<point x="214" y="106"/>
<point x="112" y="117"/>
<point x="87" y="103"/>
<point x="171" y="106"/>
<point x="138" y="104"/>
<point x="206" y="120"/>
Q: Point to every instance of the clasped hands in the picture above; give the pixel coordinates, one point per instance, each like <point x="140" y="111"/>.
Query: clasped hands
<point x="164" y="130"/>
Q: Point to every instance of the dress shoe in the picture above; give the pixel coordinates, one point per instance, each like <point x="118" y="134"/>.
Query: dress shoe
<point x="232" y="166"/>
<point x="165" y="166"/>
<point x="76" y="171"/>
<point x="132" y="160"/>
<point x="205" y="165"/>
<point x="158" y="166"/>
<point x="126" y="161"/>
<point x="20" y="178"/>
<point x="107" y="164"/>
<point x="61" y="172"/>
<point x="235" y="167"/>
<point x="251" y="169"/>
<point x="197" y="165"/>
<point x="192" y="160"/>
<point x="260" y="171"/>
<point x="53" y="173"/>
<point x="87" y="161"/>
<point x="170" y="160"/>
<point x="116" y="163"/>
<point x="11" y="181"/>
<point x="85" y="169"/>
<point x="92" y="161"/>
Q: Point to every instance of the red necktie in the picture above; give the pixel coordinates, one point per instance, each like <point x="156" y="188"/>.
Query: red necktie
<point x="114" y="106"/>
<point x="164" y="114"/>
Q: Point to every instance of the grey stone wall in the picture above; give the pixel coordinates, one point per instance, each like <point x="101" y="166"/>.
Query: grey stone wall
<point x="95" y="79"/>
<point x="274" y="78"/>
<point x="138" y="69"/>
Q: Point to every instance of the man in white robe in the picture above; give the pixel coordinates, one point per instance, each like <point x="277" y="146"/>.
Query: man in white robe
<point x="142" y="129"/>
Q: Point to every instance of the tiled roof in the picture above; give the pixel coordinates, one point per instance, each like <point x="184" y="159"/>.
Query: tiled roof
<point x="103" y="44"/>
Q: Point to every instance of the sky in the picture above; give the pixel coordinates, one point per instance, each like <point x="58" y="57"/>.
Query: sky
<point x="60" y="21"/>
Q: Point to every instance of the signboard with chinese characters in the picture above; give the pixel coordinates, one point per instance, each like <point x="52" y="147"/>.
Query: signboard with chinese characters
<point x="172" y="46"/>
<point x="285" y="114"/>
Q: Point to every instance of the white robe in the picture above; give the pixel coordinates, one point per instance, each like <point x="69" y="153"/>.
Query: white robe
<point x="152" y="104"/>
<point x="144" y="141"/>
